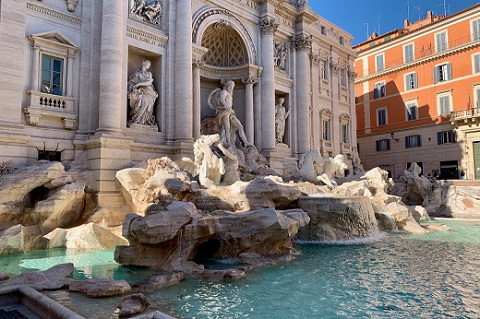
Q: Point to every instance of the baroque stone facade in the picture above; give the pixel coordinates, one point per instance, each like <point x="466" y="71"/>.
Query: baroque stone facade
<point x="66" y="67"/>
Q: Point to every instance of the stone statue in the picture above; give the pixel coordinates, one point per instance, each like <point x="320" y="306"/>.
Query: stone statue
<point x="207" y="165"/>
<point x="150" y="10"/>
<point x="333" y="167"/>
<point x="256" y="163"/>
<point x="221" y="100"/>
<point x="142" y="96"/>
<point x="72" y="5"/>
<point x="231" y="161"/>
<point x="305" y="171"/>
<point x="280" y="57"/>
<point x="280" y="117"/>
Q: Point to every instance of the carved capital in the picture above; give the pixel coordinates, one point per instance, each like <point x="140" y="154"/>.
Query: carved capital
<point x="315" y="59"/>
<point x="302" y="41"/>
<point x="268" y="26"/>
<point x="250" y="80"/>
<point x="198" y="63"/>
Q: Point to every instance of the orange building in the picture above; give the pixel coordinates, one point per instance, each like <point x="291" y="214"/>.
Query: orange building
<point x="418" y="97"/>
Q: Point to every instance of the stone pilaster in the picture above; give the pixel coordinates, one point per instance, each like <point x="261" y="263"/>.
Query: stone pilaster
<point x="303" y="45"/>
<point x="268" y="26"/>
<point x="183" y="78"/>
<point x="249" y="107"/>
<point x="111" y="68"/>
<point x="197" y="64"/>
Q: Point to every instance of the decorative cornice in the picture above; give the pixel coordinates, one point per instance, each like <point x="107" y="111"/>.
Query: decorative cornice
<point x="268" y="26"/>
<point x="147" y="37"/>
<point x="53" y="13"/>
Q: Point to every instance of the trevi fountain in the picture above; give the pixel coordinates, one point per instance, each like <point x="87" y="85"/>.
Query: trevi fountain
<point x="198" y="160"/>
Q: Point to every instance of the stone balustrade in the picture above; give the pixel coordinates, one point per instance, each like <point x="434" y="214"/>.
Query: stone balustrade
<point x="45" y="107"/>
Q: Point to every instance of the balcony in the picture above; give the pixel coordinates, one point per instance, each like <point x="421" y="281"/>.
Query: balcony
<point x="50" y="110"/>
<point x="465" y="117"/>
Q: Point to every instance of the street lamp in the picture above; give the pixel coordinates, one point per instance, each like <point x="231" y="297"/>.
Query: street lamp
<point x="392" y="135"/>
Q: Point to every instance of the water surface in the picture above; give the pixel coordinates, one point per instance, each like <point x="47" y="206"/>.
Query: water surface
<point x="401" y="276"/>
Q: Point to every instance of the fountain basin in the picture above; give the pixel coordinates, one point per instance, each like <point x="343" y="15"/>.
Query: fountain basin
<point x="337" y="218"/>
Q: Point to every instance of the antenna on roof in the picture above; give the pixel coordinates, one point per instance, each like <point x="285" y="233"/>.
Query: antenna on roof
<point x="444" y="7"/>
<point x="366" y="23"/>
<point x="418" y="7"/>
<point x="408" y="10"/>
<point x="378" y="24"/>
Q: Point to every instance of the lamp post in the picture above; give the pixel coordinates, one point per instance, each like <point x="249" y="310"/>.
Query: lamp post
<point x="392" y="135"/>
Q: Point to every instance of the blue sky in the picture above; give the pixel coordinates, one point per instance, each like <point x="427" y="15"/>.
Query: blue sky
<point x="381" y="15"/>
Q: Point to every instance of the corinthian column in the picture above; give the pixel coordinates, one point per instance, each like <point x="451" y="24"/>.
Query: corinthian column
<point x="183" y="72"/>
<point x="249" y="116"/>
<point x="197" y="64"/>
<point x="303" y="44"/>
<point x="268" y="28"/>
<point x="111" y="67"/>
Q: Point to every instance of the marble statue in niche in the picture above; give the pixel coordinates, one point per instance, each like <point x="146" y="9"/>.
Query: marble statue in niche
<point x="281" y="115"/>
<point x="221" y="101"/>
<point x="142" y="96"/>
<point x="150" y="10"/>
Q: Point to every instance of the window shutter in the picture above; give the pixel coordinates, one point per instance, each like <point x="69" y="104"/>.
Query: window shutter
<point x="449" y="72"/>
<point x="419" y="139"/>
<point x="435" y="75"/>
<point x="454" y="137"/>
<point x="384" y="89"/>
<point x="476" y="61"/>
<point x="439" y="138"/>
<point x="375" y="92"/>
<point x="407" y="145"/>
<point x="476" y="30"/>
<point x="388" y="144"/>
<point x="414" y="77"/>
<point x="378" y="145"/>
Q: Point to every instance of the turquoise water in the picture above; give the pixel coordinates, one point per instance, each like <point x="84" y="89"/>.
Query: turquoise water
<point x="401" y="276"/>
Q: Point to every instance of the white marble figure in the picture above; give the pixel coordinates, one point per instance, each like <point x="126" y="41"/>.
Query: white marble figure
<point x="150" y="10"/>
<point x="280" y="58"/>
<point x="142" y="96"/>
<point x="305" y="171"/>
<point x="281" y="116"/>
<point x="231" y="161"/>
<point x="221" y="100"/>
<point x="207" y="165"/>
<point x="256" y="163"/>
<point x="72" y="5"/>
<point x="333" y="167"/>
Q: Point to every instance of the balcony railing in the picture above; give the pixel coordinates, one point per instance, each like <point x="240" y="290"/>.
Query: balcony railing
<point x="44" y="105"/>
<point x="467" y="116"/>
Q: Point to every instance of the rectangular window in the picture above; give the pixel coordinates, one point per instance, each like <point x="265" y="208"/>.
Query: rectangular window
<point x="383" y="145"/>
<point x="477" y="96"/>
<point x="379" y="63"/>
<point x="408" y="53"/>
<point x="412" y="111"/>
<point x="476" y="64"/>
<point x="326" y="130"/>
<point x="411" y="81"/>
<point x="323" y="30"/>
<point x="379" y="90"/>
<point x="442" y="73"/>
<point x="325" y="68"/>
<point x="343" y="77"/>
<point x="446" y="137"/>
<point x="444" y="103"/>
<point x="476" y="30"/>
<point x="382" y="116"/>
<point x="52" y="79"/>
<point x="345" y="133"/>
<point x="413" y="141"/>
<point x="441" y="41"/>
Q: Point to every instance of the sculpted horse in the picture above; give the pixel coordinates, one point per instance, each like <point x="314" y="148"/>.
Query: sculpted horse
<point x="333" y="167"/>
<point x="305" y="171"/>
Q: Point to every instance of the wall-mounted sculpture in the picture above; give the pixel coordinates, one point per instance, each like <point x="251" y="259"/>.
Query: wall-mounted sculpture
<point x="150" y="10"/>
<point x="142" y="96"/>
